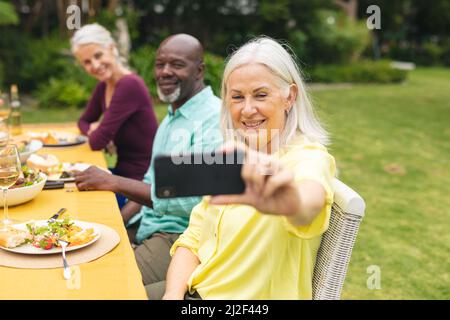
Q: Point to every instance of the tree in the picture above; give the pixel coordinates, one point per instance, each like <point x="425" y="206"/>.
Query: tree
<point x="8" y="14"/>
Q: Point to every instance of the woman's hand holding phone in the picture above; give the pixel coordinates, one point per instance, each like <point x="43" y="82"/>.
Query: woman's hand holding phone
<point x="269" y="187"/>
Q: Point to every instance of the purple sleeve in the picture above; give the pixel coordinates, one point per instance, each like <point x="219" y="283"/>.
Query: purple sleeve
<point x="93" y="110"/>
<point x="128" y="97"/>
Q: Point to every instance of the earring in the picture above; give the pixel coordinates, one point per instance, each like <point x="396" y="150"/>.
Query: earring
<point x="288" y="110"/>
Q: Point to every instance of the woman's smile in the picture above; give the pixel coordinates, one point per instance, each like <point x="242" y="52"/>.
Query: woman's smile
<point x="253" y="124"/>
<point x="101" y="70"/>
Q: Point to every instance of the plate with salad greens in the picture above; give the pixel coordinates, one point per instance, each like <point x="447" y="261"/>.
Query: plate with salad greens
<point x="42" y="237"/>
<point x="27" y="187"/>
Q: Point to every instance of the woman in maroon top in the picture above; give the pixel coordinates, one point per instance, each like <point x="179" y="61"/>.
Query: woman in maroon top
<point x="121" y="100"/>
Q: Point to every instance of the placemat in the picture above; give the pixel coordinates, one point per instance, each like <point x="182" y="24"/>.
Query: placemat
<point x="108" y="240"/>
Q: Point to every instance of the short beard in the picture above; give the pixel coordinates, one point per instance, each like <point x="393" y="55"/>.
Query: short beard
<point x="170" y="98"/>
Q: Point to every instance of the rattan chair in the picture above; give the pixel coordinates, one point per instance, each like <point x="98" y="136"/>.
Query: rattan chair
<point x="337" y="243"/>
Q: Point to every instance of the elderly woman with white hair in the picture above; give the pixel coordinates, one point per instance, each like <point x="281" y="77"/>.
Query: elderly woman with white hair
<point x="121" y="98"/>
<point x="261" y="244"/>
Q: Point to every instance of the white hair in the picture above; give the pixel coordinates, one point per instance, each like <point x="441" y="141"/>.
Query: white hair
<point x="271" y="54"/>
<point x="97" y="34"/>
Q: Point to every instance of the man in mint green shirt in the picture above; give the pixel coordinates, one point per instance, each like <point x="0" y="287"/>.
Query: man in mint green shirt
<point x="191" y="125"/>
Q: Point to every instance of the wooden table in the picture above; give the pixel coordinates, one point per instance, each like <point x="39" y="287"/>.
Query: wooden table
<point x="113" y="276"/>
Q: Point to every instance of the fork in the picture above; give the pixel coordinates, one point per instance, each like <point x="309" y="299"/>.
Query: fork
<point x="56" y="216"/>
<point x="64" y="245"/>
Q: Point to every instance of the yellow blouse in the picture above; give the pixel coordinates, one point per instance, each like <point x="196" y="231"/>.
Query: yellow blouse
<point x="248" y="255"/>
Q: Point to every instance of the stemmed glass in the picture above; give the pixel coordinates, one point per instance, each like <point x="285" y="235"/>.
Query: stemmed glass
<point x="10" y="169"/>
<point x="5" y="108"/>
<point x="4" y="132"/>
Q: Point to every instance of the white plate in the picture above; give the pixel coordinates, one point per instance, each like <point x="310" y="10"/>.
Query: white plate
<point x="79" y="139"/>
<point x="65" y="139"/>
<point x="30" y="148"/>
<point x="67" y="166"/>
<point x="29" y="249"/>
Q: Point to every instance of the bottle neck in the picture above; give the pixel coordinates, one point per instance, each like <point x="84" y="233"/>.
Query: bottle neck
<point x="15" y="102"/>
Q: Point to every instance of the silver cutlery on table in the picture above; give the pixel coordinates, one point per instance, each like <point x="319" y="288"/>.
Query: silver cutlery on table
<point x="56" y="216"/>
<point x="64" y="245"/>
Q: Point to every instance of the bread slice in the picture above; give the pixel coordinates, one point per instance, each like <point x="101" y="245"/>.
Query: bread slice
<point x="46" y="163"/>
<point x="13" y="238"/>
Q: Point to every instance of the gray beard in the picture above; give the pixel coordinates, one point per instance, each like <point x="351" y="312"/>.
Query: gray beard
<point x="170" y="98"/>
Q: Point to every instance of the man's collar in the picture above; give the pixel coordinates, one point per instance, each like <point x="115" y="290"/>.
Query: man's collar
<point x="189" y="107"/>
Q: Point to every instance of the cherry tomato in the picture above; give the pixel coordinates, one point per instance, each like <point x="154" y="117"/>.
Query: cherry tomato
<point x="47" y="244"/>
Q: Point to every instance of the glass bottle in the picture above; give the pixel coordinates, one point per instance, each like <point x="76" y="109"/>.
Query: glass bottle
<point x="15" y="116"/>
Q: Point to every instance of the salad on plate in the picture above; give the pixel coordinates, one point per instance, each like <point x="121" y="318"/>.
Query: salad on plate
<point x="41" y="237"/>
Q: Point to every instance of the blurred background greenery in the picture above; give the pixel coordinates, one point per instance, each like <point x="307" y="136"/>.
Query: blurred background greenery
<point x="388" y="122"/>
<point x="330" y="38"/>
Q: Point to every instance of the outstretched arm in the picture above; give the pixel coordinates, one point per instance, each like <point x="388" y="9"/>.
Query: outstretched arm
<point x="183" y="264"/>
<point x="272" y="189"/>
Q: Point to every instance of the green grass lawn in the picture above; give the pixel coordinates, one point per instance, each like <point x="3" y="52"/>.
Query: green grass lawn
<point x="392" y="145"/>
<point x="32" y="114"/>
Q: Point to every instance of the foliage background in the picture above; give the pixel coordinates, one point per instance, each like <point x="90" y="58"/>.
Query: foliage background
<point x="332" y="44"/>
<point x="389" y="127"/>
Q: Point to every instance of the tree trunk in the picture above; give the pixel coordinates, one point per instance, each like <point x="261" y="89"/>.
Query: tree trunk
<point x="350" y="7"/>
<point x="95" y="7"/>
<point x="61" y="8"/>
<point x="35" y="13"/>
<point x="112" y="5"/>
<point x="123" y="39"/>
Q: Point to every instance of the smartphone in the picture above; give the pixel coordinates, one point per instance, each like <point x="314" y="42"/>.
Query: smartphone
<point x="199" y="174"/>
<point x="53" y="185"/>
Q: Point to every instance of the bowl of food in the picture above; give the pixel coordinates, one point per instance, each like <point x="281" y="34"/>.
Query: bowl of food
<point x="27" y="148"/>
<point x="27" y="187"/>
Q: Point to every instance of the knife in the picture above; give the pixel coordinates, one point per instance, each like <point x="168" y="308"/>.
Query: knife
<point x="56" y="216"/>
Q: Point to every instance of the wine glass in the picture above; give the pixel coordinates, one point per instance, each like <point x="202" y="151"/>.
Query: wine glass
<point x="10" y="169"/>
<point x="5" y="108"/>
<point x="4" y="132"/>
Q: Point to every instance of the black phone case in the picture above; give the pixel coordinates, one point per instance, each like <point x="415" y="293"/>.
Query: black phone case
<point x="53" y="185"/>
<point x="198" y="175"/>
